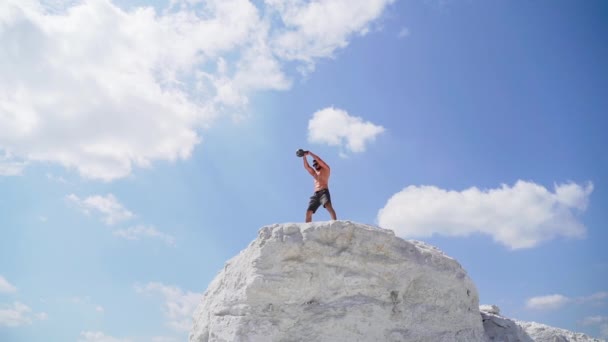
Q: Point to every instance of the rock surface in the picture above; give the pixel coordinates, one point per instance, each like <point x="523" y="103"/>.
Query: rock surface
<point x="503" y="329"/>
<point x="343" y="281"/>
<point x="338" y="281"/>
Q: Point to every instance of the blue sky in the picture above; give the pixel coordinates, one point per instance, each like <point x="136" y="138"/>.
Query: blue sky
<point x="143" y="144"/>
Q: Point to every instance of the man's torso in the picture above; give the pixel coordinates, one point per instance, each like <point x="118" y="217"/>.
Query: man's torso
<point x="322" y="179"/>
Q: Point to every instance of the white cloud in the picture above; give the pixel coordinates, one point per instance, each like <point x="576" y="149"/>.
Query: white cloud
<point x="108" y="206"/>
<point x="164" y="339"/>
<point x="6" y="287"/>
<point x="84" y="303"/>
<point x="179" y="305"/>
<point x="80" y="300"/>
<point x="100" y="89"/>
<point x="521" y="216"/>
<point x="404" y="32"/>
<point x="11" y="168"/>
<point x="604" y="330"/>
<point x="336" y="127"/>
<point x="8" y="165"/>
<point x="80" y="89"/>
<point x="57" y="179"/>
<point x="597" y="297"/>
<point x="113" y="212"/>
<point x="593" y="320"/>
<point x="556" y="301"/>
<point x="549" y="302"/>
<point x="98" y="336"/>
<point x="19" y="314"/>
<point x="142" y="232"/>
<point x="317" y="28"/>
<point x="16" y="315"/>
<point x="600" y="321"/>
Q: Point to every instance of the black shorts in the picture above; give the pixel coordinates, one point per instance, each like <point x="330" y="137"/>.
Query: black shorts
<point x="318" y="198"/>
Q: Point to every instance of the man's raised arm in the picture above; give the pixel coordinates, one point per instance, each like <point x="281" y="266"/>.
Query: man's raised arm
<point x="319" y="160"/>
<point x="307" y="166"/>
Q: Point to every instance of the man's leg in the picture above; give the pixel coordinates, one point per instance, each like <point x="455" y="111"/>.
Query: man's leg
<point x="331" y="210"/>
<point x="308" y="215"/>
<point x="313" y="205"/>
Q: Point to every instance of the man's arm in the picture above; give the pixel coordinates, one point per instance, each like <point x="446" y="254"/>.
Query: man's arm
<point x="319" y="160"/>
<point x="307" y="166"/>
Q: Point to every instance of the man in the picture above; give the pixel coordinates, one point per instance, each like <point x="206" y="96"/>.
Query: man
<point x="320" y="172"/>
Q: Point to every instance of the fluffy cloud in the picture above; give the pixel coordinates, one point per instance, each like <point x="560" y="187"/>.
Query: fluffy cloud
<point x="101" y="90"/>
<point x="317" y="28"/>
<point x="9" y="166"/>
<point x="98" y="336"/>
<point x="520" y="216"/>
<point x="108" y="206"/>
<point x="556" y="301"/>
<point x="18" y="314"/>
<point x="600" y="321"/>
<point x="112" y="212"/>
<point x="6" y="287"/>
<point x="81" y="88"/>
<point x="548" y="302"/>
<point x="142" y="232"/>
<point x="336" y="127"/>
<point x="179" y="305"/>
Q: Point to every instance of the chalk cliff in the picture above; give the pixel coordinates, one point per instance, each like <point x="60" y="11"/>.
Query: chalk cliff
<point x="338" y="281"/>
<point x="344" y="281"/>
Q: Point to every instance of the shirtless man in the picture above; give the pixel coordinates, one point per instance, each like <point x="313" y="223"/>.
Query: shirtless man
<point x="320" y="172"/>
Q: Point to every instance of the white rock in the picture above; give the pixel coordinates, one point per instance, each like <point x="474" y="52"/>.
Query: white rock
<point x="544" y="333"/>
<point x="493" y="309"/>
<point x="338" y="281"/>
<point x="503" y="329"/>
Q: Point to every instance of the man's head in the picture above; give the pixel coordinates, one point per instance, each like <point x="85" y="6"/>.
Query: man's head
<point x="316" y="165"/>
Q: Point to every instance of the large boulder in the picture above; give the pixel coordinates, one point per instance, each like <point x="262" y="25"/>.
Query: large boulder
<point x="338" y="281"/>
